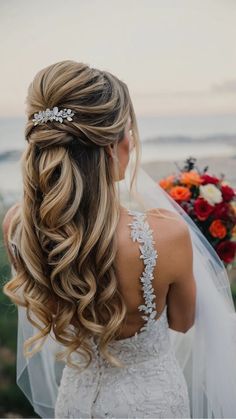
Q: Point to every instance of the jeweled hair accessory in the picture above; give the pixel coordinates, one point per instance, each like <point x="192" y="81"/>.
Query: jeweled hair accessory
<point x="52" y="114"/>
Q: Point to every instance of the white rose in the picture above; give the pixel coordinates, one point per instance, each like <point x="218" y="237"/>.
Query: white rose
<point x="211" y="193"/>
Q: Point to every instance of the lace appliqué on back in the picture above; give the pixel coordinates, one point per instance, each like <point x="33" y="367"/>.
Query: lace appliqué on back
<point x="141" y="232"/>
<point x="151" y="385"/>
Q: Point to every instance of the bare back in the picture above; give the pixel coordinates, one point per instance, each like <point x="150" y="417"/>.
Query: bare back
<point x="129" y="266"/>
<point x="153" y="385"/>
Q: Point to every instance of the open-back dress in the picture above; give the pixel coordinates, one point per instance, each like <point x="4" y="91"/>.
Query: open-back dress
<point x="152" y="385"/>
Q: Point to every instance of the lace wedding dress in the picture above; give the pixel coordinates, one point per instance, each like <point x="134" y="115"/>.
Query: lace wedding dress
<point x="152" y="384"/>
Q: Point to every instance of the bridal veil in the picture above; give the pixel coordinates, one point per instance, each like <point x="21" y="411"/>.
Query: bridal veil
<point x="206" y="353"/>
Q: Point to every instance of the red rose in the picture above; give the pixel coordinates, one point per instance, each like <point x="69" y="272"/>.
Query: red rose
<point x="227" y="193"/>
<point x="226" y="251"/>
<point x="221" y="210"/>
<point x="209" y="179"/>
<point x="202" y="208"/>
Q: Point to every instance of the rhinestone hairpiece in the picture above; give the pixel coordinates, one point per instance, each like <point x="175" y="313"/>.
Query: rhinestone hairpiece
<point x="52" y="114"/>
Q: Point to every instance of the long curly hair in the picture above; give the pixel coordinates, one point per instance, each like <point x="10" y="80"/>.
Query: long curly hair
<point x="65" y="227"/>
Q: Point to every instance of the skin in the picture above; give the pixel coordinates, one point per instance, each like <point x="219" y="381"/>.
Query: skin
<point x="173" y="282"/>
<point x="125" y="147"/>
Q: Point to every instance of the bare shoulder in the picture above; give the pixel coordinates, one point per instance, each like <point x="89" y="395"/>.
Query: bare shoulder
<point x="173" y="240"/>
<point x="168" y="227"/>
<point x="5" y="228"/>
<point x="170" y="220"/>
<point x="8" y="216"/>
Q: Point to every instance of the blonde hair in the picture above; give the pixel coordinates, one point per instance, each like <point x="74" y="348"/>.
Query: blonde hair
<point x="66" y="223"/>
<point x="64" y="229"/>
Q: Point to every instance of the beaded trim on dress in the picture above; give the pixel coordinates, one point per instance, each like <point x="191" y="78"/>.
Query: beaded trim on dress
<point x="141" y="232"/>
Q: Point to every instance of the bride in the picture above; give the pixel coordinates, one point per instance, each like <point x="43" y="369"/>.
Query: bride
<point x="126" y="305"/>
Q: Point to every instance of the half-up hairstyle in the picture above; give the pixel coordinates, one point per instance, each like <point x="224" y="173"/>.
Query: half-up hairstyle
<point x="65" y="227"/>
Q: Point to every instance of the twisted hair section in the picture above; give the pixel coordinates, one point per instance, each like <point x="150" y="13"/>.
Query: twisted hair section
<point x="65" y="227"/>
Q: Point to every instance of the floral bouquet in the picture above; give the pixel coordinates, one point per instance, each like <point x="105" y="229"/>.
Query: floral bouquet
<point x="210" y="202"/>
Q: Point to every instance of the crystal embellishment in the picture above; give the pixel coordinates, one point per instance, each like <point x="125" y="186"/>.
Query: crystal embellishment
<point x="141" y="232"/>
<point x="52" y="114"/>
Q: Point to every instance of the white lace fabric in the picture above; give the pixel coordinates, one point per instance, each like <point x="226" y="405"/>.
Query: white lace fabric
<point x="152" y="384"/>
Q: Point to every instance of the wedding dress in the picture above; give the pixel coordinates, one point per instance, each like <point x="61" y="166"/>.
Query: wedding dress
<point x="153" y="381"/>
<point x="152" y="385"/>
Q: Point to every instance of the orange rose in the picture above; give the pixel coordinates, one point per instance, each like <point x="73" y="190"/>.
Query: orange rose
<point x="190" y="178"/>
<point x="180" y="193"/>
<point x="167" y="182"/>
<point x="217" y="229"/>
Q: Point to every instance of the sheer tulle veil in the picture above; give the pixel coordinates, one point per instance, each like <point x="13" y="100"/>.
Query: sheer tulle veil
<point x="206" y="353"/>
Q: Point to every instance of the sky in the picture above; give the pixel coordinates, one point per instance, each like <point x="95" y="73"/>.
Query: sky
<point x="178" y="57"/>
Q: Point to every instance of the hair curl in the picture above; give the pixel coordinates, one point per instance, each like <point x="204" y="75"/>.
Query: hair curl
<point x="66" y="223"/>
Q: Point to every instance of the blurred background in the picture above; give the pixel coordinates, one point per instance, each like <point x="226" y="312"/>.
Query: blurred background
<point x="178" y="58"/>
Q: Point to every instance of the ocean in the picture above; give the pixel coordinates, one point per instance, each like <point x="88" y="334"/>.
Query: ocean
<point x="163" y="139"/>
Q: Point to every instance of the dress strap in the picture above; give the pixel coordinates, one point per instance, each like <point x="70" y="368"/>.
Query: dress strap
<point x="142" y="233"/>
